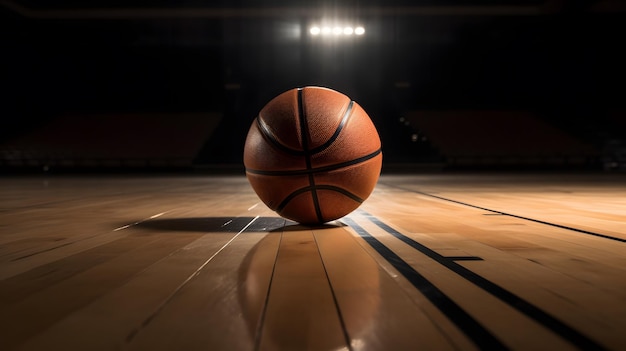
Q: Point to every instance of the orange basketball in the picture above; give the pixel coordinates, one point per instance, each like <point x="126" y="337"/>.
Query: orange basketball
<point x="312" y="155"/>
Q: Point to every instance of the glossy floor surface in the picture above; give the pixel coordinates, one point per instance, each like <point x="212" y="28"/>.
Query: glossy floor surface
<point x="428" y="262"/>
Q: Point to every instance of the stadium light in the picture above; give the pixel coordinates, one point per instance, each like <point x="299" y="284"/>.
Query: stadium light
<point x="336" y="30"/>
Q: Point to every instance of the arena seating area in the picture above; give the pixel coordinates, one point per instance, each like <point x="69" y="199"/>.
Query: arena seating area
<point x="184" y="141"/>
<point x="500" y="139"/>
<point x="111" y="141"/>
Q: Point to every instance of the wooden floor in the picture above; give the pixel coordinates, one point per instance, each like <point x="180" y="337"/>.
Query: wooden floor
<point x="428" y="262"/>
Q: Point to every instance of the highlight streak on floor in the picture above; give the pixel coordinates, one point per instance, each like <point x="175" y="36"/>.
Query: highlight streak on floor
<point x="451" y="261"/>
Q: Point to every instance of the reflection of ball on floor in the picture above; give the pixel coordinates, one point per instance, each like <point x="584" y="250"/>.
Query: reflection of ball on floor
<point x="312" y="155"/>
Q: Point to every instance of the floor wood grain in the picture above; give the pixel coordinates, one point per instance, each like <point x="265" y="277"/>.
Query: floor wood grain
<point x="432" y="261"/>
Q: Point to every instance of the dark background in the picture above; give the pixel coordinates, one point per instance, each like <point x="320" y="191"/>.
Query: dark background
<point x="122" y="84"/>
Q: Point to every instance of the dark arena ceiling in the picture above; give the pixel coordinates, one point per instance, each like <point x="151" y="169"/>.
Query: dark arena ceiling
<point x="563" y="58"/>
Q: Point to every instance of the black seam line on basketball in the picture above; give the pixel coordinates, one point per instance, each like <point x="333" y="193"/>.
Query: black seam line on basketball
<point x="457" y="315"/>
<point x="582" y="231"/>
<point x="317" y="169"/>
<point x="267" y="133"/>
<point x="304" y="134"/>
<point x="335" y="135"/>
<point x="297" y="192"/>
<point x="568" y="333"/>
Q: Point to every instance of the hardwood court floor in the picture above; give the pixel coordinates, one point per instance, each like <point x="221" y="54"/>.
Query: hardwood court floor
<point x="429" y="262"/>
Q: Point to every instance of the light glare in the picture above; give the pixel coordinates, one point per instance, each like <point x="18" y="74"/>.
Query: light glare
<point x="336" y="30"/>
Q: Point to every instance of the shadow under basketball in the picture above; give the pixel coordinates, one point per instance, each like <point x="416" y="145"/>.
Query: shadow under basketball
<point x="213" y="224"/>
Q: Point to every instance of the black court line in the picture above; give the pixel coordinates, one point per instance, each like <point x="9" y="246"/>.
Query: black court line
<point x="463" y="258"/>
<point x="571" y="335"/>
<point x="604" y="236"/>
<point x="463" y="320"/>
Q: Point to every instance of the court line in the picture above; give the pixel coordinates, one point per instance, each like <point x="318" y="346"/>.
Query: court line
<point x="457" y="315"/>
<point x="149" y="319"/>
<point x="604" y="236"/>
<point x="555" y="325"/>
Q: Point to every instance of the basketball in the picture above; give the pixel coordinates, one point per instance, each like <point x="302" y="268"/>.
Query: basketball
<point x="312" y="155"/>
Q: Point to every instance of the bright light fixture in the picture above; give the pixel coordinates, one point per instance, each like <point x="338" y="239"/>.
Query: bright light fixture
<point x="336" y="30"/>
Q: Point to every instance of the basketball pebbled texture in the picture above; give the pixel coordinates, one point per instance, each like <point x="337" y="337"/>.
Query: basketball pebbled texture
<point x="312" y="155"/>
